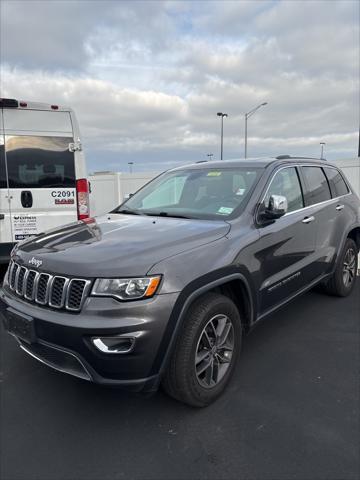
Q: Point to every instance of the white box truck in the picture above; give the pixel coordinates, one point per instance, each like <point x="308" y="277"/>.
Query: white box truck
<point x="42" y="171"/>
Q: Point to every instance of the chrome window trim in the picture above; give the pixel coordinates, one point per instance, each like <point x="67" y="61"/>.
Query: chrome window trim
<point x="64" y="291"/>
<point x="84" y="293"/>
<point x="46" y="291"/>
<point x="308" y="206"/>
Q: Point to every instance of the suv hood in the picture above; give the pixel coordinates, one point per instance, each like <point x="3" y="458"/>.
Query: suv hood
<point x="117" y="245"/>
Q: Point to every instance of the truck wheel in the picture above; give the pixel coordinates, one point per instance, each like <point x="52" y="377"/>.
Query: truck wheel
<point x="205" y="352"/>
<point x="343" y="280"/>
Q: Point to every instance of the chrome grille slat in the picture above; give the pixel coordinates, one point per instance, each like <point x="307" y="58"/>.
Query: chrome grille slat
<point x="12" y="274"/>
<point x="75" y="304"/>
<point x="58" y="291"/>
<point x="21" y="272"/>
<point x="29" y="290"/>
<point x="42" y="288"/>
<point x="55" y="291"/>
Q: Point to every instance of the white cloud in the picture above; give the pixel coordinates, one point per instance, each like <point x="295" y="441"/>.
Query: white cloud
<point x="147" y="78"/>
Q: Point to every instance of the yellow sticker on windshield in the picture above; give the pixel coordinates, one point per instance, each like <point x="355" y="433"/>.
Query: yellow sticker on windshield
<point x="213" y="174"/>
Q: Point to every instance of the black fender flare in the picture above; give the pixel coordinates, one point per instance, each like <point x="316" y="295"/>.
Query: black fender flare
<point x="187" y="296"/>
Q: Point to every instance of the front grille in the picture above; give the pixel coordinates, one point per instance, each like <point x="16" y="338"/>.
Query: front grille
<point x="49" y="290"/>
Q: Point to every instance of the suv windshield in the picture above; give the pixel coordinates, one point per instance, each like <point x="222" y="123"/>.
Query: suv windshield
<point x="195" y="193"/>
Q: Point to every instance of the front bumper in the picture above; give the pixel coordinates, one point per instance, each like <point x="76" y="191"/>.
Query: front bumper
<point x="63" y="340"/>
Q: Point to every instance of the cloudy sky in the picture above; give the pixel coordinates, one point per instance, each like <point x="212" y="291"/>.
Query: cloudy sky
<point x="147" y="78"/>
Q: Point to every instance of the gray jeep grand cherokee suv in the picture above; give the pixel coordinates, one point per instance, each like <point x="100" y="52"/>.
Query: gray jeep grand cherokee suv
<point x="161" y="289"/>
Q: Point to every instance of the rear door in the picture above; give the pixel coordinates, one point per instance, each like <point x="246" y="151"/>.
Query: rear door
<point x="40" y="170"/>
<point x="325" y="189"/>
<point x="5" y="218"/>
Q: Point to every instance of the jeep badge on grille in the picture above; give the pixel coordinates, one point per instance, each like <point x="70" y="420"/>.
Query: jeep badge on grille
<point x="34" y="261"/>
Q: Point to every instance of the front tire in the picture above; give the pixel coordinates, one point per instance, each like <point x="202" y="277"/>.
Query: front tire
<point x="343" y="280"/>
<point x="205" y="352"/>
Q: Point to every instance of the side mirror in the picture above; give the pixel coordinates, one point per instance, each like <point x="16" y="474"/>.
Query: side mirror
<point x="276" y="208"/>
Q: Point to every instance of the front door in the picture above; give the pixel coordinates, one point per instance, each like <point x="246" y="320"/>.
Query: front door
<point x="286" y="247"/>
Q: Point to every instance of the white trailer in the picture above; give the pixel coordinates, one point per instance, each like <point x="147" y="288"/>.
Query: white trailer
<point x="110" y="189"/>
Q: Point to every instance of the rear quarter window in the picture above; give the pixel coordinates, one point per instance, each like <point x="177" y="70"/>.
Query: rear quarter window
<point x="337" y="183"/>
<point x="39" y="162"/>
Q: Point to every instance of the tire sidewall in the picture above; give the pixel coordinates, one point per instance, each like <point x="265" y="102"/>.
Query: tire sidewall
<point x="208" y="395"/>
<point x="349" y="244"/>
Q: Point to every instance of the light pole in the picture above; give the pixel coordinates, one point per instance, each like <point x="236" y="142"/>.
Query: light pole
<point x="210" y="155"/>
<point x="131" y="166"/>
<point x="222" y="115"/>
<point x="248" y="115"/>
<point x="322" y="150"/>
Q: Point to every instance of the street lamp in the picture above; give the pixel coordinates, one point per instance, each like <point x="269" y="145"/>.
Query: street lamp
<point x="322" y="150"/>
<point x="248" y="115"/>
<point x="222" y="115"/>
<point x="210" y="155"/>
<point x="131" y="166"/>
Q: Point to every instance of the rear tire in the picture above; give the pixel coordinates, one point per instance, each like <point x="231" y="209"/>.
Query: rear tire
<point x="342" y="283"/>
<point x="205" y="352"/>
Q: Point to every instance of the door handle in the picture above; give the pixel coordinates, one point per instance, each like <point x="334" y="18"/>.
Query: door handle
<point x="2" y="216"/>
<point x="26" y="199"/>
<point x="308" y="219"/>
<point x="339" y="207"/>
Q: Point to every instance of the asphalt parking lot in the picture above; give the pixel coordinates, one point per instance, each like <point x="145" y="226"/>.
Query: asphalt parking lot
<point x="291" y="411"/>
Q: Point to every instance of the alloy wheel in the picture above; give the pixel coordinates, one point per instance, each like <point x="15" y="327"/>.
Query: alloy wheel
<point x="349" y="267"/>
<point x="214" y="351"/>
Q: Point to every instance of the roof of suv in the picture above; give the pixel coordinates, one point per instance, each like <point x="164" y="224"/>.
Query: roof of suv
<point x="251" y="162"/>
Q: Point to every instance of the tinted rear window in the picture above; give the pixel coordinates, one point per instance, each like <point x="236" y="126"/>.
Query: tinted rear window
<point x="337" y="184"/>
<point x="39" y="162"/>
<point x="317" y="184"/>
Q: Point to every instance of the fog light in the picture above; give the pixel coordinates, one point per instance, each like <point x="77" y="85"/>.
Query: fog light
<point x="118" y="344"/>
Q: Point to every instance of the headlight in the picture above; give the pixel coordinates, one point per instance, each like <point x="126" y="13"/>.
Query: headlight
<point x="126" y="288"/>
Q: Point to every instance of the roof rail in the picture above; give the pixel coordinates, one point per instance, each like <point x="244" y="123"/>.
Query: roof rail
<point x="287" y="157"/>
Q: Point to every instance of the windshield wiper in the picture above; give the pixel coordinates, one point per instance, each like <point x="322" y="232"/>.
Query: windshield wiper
<point x="128" y="212"/>
<point x="165" y="214"/>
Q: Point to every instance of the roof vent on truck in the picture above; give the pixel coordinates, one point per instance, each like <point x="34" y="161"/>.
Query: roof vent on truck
<point x="8" y="103"/>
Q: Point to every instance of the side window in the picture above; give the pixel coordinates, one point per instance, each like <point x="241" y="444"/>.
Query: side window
<point x="3" y="183"/>
<point x="286" y="183"/>
<point x="337" y="184"/>
<point x="317" y="184"/>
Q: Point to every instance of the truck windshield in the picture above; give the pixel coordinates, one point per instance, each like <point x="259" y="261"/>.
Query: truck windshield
<point x="195" y="193"/>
